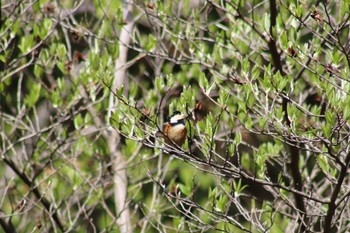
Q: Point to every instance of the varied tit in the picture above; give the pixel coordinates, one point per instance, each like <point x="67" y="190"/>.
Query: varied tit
<point x="175" y="129"/>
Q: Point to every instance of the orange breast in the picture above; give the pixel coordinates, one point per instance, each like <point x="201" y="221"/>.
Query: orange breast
<point x="176" y="134"/>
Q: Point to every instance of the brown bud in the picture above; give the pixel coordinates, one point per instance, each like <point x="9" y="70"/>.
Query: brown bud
<point x="316" y="16"/>
<point x="292" y="52"/>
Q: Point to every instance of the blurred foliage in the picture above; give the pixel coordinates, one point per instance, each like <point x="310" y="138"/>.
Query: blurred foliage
<point x="255" y="84"/>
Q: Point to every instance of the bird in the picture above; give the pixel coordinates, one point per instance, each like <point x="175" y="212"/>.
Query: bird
<point x="175" y="129"/>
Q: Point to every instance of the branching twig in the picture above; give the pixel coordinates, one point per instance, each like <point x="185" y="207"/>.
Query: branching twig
<point x="293" y="150"/>
<point x="332" y="204"/>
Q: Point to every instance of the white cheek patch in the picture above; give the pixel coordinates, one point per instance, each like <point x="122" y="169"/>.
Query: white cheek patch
<point x="176" y="118"/>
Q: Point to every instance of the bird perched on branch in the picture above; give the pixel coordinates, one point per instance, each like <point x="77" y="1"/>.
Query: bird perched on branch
<point x="175" y="130"/>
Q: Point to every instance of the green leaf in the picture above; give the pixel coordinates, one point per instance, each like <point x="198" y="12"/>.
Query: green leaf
<point x="128" y="126"/>
<point x="221" y="203"/>
<point x="139" y="133"/>
<point x="15" y="29"/>
<point x="284" y="40"/>
<point x="210" y="88"/>
<point x="212" y="193"/>
<point x="187" y="96"/>
<point x="248" y="123"/>
<point x="242" y="106"/>
<point x="279" y="113"/>
<point x="133" y="89"/>
<point x="120" y="91"/>
<point x="242" y="116"/>
<point x="203" y="82"/>
<point x="327" y="130"/>
<point x="92" y="93"/>
<point x="231" y="149"/>
<point x="61" y="51"/>
<point x="62" y="66"/>
<point x="330" y="117"/>
<point x="60" y="83"/>
<point x="266" y="19"/>
<point x="150" y="43"/>
<point x="170" y="80"/>
<point x="56" y="99"/>
<point x="45" y="28"/>
<point x="256" y="73"/>
<point x="282" y="83"/>
<point x="250" y="100"/>
<point x="343" y="9"/>
<point x="2" y="58"/>
<point x="78" y="121"/>
<point x="45" y="56"/>
<point x="245" y="65"/>
<point x="323" y="163"/>
<point x="160" y="84"/>
<point x="33" y="95"/>
<point x="185" y="189"/>
<point x="238" y="188"/>
<point x="262" y="122"/>
<point x="226" y="186"/>
<point x="346" y="111"/>
<point x="115" y="120"/>
<point x="238" y="138"/>
<point x="130" y="147"/>
<point x="209" y="127"/>
<point x="26" y="43"/>
<point x="178" y="223"/>
<point x="38" y="71"/>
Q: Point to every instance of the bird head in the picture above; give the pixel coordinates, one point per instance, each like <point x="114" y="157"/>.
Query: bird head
<point x="177" y="118"/>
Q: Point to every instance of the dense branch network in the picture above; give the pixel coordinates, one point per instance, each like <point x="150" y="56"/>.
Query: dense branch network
<point x="264" y="87"/>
